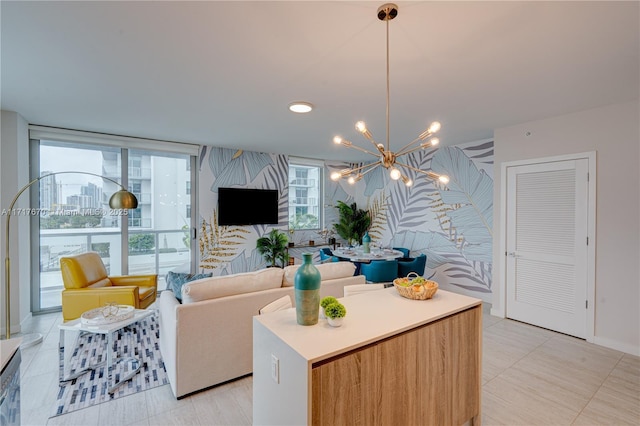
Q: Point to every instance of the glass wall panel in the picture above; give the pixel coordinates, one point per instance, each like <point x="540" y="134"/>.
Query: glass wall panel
<point x="159" y="229"/>
<point x="78" y="180"/>
<point x="74" y="209"/>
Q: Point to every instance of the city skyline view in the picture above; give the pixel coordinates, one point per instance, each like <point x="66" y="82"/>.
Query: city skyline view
<point x="61" y="159"/>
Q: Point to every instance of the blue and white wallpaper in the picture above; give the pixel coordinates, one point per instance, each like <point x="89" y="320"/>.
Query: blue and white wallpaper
<point x="452" y="224"/>
<point x="226" y="250"/>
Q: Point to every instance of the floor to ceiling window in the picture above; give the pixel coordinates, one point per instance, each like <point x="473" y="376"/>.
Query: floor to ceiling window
<point x="75" y="217"/>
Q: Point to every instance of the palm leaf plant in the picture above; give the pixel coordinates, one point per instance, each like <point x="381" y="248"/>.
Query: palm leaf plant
<point x="352" y="223"/>
<point x="273" y="247"/>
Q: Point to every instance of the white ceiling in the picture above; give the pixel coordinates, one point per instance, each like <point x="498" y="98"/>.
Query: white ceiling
<point x="223" y="73"/>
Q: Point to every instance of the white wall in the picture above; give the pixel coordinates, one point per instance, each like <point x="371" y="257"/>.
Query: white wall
<point x="14" y="144"/>
<point x="614" y="133"/>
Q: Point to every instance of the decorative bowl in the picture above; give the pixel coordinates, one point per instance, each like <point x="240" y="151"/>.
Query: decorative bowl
<point x="422" y="291"/>
<point x="109" y="314"/>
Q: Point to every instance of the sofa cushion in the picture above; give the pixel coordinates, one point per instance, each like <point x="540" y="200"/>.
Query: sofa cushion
<point x="328" y="271"/>
<point x="175" y="281"/>
<point x="228" y="285"/>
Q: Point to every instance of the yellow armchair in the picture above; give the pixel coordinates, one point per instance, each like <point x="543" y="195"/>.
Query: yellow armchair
<point x="87" y="286"/>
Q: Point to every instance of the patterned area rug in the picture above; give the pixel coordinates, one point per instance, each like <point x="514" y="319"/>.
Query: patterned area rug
<point x="140" y="340"/>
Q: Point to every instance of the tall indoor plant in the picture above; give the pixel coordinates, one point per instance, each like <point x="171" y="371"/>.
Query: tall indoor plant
<point x="352" y="223"/>
<point x="273" y="247"/>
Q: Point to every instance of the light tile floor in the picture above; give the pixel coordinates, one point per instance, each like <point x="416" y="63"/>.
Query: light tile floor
<point x="531" y="376"/>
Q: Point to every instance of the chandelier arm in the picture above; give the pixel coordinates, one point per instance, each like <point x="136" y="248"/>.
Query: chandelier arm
<point x="373" y="166"/>
<point x="407" y="148"/>
<point x="375" y="154"/>
<point x="432" y="175"/>
<point x="409" y="151"/>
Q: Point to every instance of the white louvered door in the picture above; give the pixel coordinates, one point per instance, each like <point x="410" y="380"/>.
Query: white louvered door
<point x="547" y="245"/>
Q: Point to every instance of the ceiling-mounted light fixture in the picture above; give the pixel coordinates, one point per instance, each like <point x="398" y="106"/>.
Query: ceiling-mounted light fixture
<point x="300" y="107"/>
<point x="388" y="159"/>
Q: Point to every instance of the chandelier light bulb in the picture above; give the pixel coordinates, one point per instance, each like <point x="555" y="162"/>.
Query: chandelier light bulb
<point x="351" y="180"/>
<point x="444" y="179"/>
<point x="361" y="127"/>
<point x="434" y="127"/>
<point x="407" y="181"/>
<point x="394" y="173"/>
<point x="434" y="141"/>
<point x="335" y="175"/>
<point x="337" y="140"/>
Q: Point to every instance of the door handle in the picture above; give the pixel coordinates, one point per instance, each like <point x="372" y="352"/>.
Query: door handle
<point x="513" y="254"/>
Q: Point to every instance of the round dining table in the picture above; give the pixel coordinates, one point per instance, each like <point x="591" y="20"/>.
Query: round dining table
<point x="357" y="255"/>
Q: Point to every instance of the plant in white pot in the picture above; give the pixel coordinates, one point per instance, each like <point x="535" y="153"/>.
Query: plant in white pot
<point x="326" y="301"/>
<point x="335" y="313"/>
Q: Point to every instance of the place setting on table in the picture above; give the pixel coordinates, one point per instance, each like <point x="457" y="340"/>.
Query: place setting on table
<point x="357" y="254"/>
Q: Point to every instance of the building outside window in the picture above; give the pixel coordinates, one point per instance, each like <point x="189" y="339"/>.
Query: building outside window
<point x="305" y="193"/>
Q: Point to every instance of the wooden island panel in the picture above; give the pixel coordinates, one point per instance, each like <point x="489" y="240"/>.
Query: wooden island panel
<point x="427" y="375"/>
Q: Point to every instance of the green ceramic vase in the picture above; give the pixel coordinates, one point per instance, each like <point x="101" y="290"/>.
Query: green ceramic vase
<point x="307" y="292"/>
<point x="366" y="243"/>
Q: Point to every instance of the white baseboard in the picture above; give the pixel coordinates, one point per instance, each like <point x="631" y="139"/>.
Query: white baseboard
<point x="618" y="346"/>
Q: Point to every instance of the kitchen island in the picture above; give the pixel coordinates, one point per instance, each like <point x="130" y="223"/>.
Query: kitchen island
<point x="393" y="361"/>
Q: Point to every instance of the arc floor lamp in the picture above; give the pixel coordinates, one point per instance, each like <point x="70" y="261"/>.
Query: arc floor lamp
<point x="121" y="199"/>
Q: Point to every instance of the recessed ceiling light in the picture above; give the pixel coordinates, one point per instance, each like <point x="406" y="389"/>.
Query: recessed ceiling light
<point x="300" y="107"/>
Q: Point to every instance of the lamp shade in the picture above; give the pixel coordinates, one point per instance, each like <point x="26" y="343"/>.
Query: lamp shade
<point x="123" y="199"/>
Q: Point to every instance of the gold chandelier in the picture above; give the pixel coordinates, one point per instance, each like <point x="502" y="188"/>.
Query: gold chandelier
<point x="386" y="157"/>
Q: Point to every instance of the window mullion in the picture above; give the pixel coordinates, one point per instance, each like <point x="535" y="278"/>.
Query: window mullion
<point x="124" y="220"/>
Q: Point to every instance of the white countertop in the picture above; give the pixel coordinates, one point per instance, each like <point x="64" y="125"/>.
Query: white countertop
<point x="370" y="317"/>
<point x="7" y="349"/>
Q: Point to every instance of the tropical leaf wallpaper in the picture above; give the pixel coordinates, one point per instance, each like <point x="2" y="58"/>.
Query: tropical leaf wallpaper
<point x="451" y="224"/>
<point x="227" y="250"/>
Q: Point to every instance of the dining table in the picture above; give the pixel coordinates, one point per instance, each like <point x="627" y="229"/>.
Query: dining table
<point x="358" y="255"/>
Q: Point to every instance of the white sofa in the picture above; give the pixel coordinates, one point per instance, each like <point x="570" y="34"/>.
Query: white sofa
<point x="208" y="339"/>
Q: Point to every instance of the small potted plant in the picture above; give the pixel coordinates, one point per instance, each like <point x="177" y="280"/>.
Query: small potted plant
<point x="326" y="301"/>
<point x="335" y="312"/>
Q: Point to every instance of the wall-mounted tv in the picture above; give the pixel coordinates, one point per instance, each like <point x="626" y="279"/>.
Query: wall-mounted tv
<point x="242" y="206"/>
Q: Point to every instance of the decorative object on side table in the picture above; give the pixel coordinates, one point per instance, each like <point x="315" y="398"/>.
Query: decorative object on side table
<point x="415" y="287"/>
<point x="307" y="292"/>
<point x="335" y="313"/>
<point x="108" y="314"/>
<point x="273" y="247"/>
<point x="326" y="301"/>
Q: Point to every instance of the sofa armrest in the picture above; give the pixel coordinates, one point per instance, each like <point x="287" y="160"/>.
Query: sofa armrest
<point x="168" y="335"/>
<point x="137" y="280"/>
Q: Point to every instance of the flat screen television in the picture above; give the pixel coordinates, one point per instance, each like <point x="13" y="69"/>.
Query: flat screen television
<point x="242" y="206"/>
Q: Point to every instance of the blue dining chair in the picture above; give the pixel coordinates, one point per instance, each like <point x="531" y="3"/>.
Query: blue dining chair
<point x="380" y="271"/>
<point x="326" y="255"/>
<point x="405" y="251"/>
<point x="417" y="265"/>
